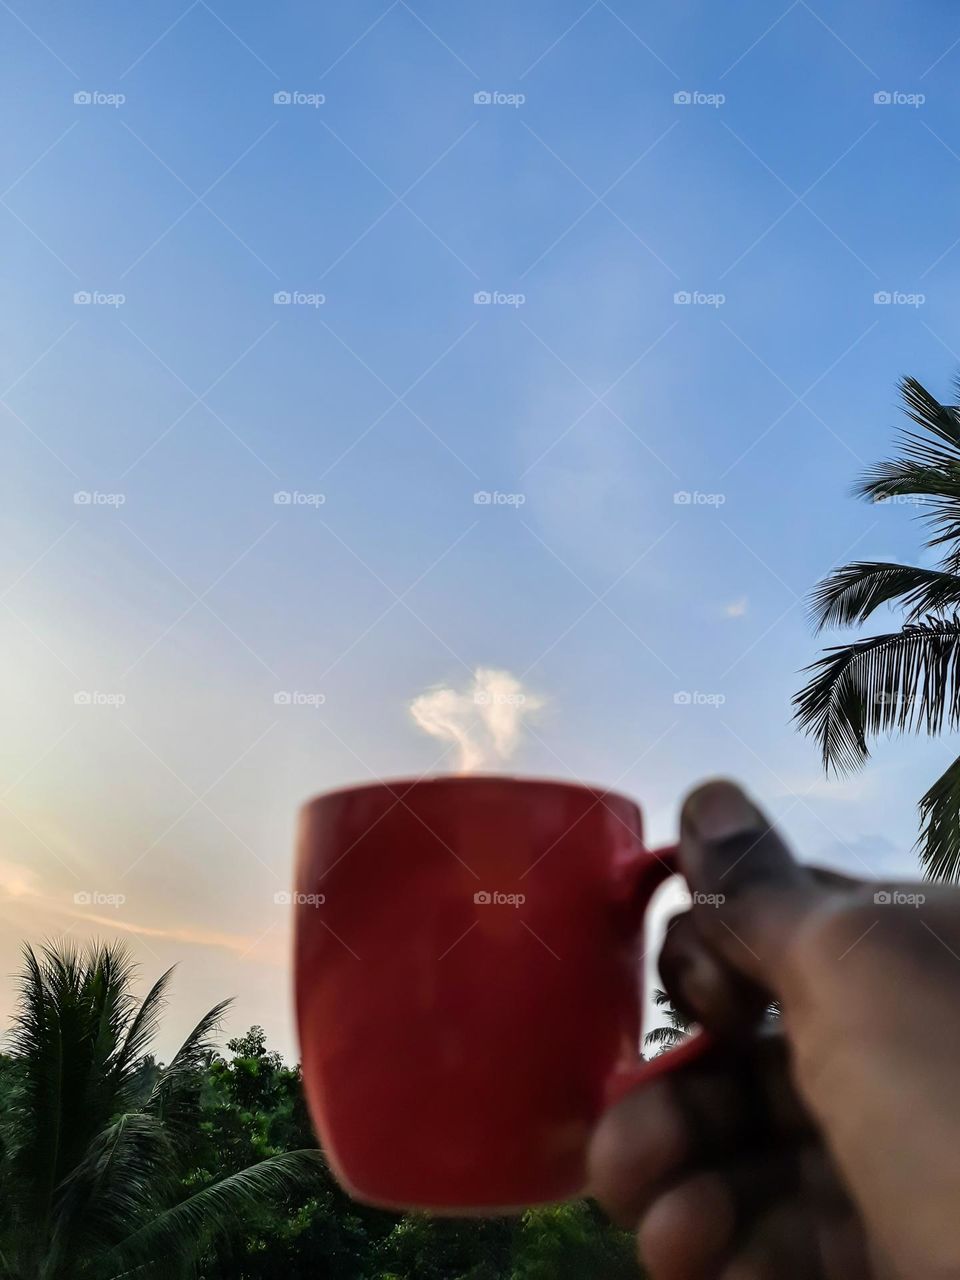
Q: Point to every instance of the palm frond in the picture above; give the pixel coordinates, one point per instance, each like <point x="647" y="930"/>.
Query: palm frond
<point x="939" y="839"/>
<point x="107" y="975"/>
<point x="944" y="521"/>
<point x="927" y="467"/>
<point x="921" y="472"/>
<point x="141" y="1031"/>
<point x="676" y="1030"/>
<point x="36" y="1043"/>
<point x="677" y="1020"/>
<point x="941" y="420"/>
<point x="125" y="1175"/>
<point x="187" y="1227"/>
<point x="936" y="490"/>
<point x="907" y="680"/>
<point x="664" y="1038"/>
<point x="174" y="1095"/>
<point x="851" y="594"/>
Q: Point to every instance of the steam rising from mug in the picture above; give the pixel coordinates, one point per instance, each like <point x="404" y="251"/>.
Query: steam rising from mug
<point x="484" y="720"/>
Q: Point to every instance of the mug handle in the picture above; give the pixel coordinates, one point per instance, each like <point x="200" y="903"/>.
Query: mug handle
<point x="657" y="865"/>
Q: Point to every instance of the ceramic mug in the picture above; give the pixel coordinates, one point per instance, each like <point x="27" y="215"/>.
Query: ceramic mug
<point x="468" y="984"/>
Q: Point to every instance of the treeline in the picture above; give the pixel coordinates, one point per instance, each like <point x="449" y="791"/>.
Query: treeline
<point x="114" y="1166"/>
<point x="253" y="1107"/>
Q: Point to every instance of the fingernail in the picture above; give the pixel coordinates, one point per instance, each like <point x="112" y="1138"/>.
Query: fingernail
<point x="720" y="810"/>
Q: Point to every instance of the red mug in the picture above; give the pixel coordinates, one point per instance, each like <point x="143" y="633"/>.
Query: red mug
<point x="468" y="984"/>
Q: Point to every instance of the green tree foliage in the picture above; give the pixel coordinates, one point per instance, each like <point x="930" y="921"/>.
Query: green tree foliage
<point x="423" y="1248"/>
<point x="253" y="1109"/>
<point x="571" y="1241"/>
<point x="116" y="1167"/>
<point x="95" y="1138"/>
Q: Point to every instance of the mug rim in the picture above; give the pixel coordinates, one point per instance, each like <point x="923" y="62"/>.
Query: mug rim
<point x="444" y="779"/>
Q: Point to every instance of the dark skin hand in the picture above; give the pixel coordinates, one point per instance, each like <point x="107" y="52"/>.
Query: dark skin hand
<point x="831" y="1149"/>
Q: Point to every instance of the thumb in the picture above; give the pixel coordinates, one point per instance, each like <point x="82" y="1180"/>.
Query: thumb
<point x="750" y="896"/>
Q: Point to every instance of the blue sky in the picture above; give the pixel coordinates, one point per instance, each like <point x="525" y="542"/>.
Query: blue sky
<point x="783" y="189"/>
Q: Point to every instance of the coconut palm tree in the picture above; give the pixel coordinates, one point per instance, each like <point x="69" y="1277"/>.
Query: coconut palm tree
<point x="678" y="1027"/>
<point x="95" y="1138"/>
<point x="674" y="1032"/>
<point x="907" y="680"/>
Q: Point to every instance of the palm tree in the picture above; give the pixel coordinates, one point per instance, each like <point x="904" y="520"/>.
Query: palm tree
<point x="675" y="1031"/>
<point x="906" y="680"/>
<point x="679" y="1027"/>
<point x="95" y="1137"/>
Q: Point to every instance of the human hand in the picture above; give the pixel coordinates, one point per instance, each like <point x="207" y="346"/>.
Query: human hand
<point x="832" y="1150"/>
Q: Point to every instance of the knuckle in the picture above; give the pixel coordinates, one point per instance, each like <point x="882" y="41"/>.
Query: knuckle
<point x="846" y="933"/>
<point x="831" y="931"/>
